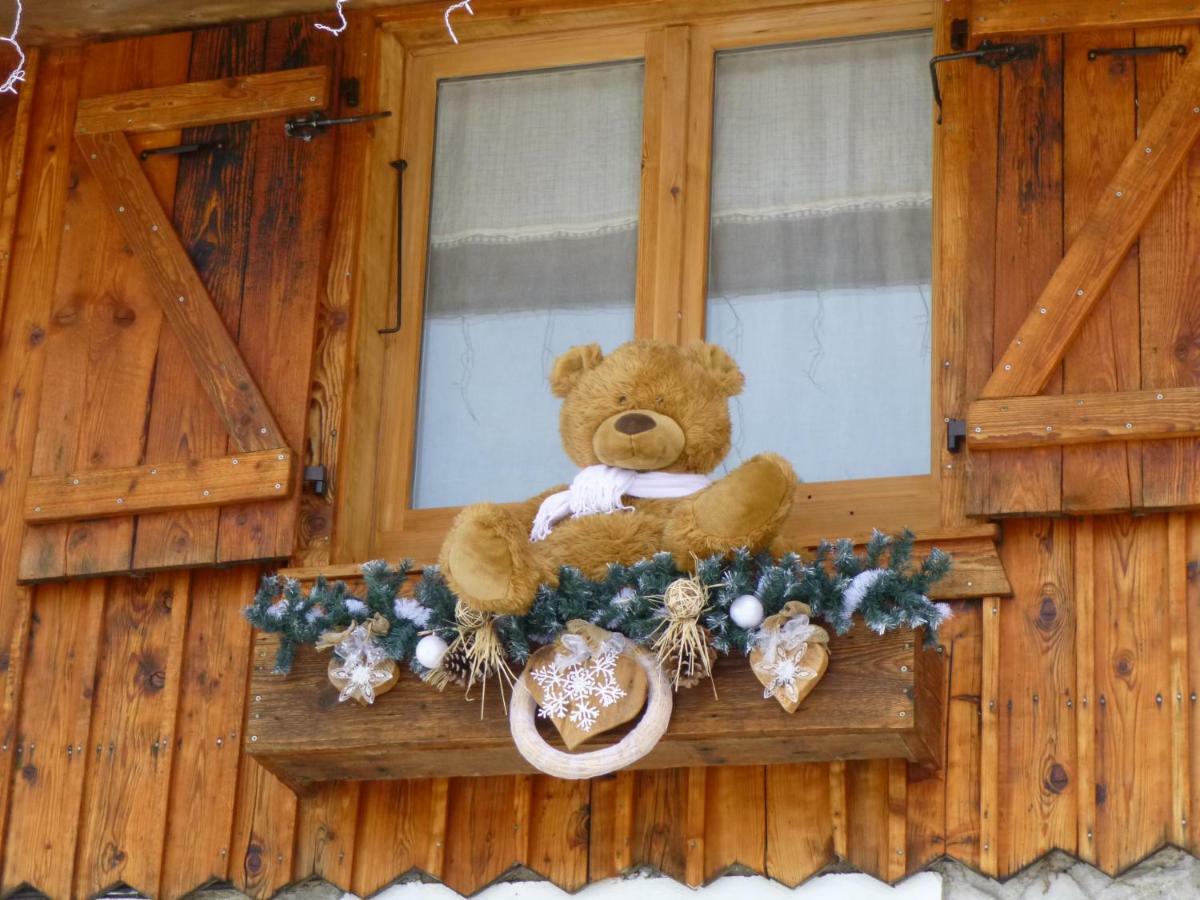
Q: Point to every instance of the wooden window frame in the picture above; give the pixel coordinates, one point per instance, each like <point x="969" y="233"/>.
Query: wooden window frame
<point x="677" y="43"/>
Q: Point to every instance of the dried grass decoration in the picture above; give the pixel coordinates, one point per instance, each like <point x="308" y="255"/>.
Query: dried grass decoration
<point x="360" y="669"/>
<point x="474" y="656"/>
<point x="586" y="682"/>
<point x="790" y="655"/>
<point x="683" y="649"/>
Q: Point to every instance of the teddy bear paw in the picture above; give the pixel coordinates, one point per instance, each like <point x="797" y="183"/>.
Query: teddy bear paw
<point x="747" y="506"/>
<point x="483" y="561"/>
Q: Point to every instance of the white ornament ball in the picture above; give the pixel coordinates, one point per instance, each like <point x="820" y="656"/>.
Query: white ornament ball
<point x="430" y="651"/>
<point x="746" y="611"/>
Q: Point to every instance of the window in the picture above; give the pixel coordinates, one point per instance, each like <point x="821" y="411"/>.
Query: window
<point x="760" y="180"/>
<point x="819" y="252"/>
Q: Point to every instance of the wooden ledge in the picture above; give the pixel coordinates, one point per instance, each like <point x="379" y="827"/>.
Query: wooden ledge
<point x="881" y="698"/>
<point x="977" y="570"/>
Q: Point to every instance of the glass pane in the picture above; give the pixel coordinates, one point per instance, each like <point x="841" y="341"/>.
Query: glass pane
<point x="820" y="252"/>
<point x="533" y="248"/>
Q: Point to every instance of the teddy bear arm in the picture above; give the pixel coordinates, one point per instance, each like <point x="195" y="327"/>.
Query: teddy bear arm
<point x="746" y="508"/>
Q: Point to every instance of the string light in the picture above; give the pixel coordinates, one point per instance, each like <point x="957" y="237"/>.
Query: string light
<point x="334" y="31"/>
<point x="17" y="75"/>
<point x="462" y="4"/>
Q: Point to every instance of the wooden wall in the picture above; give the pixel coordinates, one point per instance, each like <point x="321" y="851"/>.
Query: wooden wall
<point x="1071" y="705"/>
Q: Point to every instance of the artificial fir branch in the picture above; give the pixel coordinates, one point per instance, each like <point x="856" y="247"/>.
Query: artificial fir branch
<point x="627" y="600"/>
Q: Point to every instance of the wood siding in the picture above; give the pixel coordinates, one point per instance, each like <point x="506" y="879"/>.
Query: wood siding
<point x="1071" y="707"/>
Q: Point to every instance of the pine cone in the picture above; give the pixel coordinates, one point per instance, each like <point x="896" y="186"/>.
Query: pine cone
<point x="455" y="666"/>
<point x="692" y="671"/>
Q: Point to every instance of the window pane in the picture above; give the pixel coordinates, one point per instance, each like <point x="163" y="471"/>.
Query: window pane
<point x="820" y="252"/>
<point x="533" y="247"/>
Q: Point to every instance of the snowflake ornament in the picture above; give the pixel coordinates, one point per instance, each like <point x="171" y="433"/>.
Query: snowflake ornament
<point x="573" y="692"/>
<point x="360" y="646"/>
<point x="361" y="679"/>
<point x="787" y="673"/>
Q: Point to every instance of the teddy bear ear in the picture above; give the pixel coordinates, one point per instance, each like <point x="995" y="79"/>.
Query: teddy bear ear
<point x="720" y="366"/>
<point x="569" y="367"/>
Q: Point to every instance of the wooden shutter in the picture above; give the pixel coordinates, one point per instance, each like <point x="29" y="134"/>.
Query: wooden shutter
<point x="180" y="347"/>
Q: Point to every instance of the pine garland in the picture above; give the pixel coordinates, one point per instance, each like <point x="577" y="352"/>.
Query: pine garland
<point x="881" y="585"/>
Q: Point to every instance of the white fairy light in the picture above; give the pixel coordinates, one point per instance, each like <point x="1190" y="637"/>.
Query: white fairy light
<point x="17" y="75"/>
<point x="462" y="4"/>
<point x="341" y="15"/>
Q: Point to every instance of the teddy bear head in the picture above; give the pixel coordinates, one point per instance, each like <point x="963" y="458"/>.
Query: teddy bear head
<point x="648" y="405"/>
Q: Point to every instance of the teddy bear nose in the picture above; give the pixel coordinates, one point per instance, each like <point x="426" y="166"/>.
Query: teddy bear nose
<point x="633" y="423"/>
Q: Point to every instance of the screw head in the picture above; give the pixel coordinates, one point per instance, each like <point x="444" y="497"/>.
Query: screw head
<point x="154" y="471"/>
<point x="1158" y="396"/>
<point x="1049" y="427"/>
<point x="120" y="500"/>
<point x="1128" y="424"/>
<point x="978" y="428"/>
<point x="1042" y="310"/>
<point x="278" y="486"/>
<point x="279" y="457"/>
<point x="1149" y="150"/>
<point x="120" y="209"/>
<point x="74" y="481"/>
<point x="204" y="493"/>
<point x="234" y="460"/>
<point x="903" y="714"/>
<point x="263" y="430"/>
<point x="181" y="299"/>
<point x="37" y="509"/>
<point x="1079" y="293"/>
<point x="253" y="738"/>
<point x="1008" y="367"/>
<point x="154" y="228"/>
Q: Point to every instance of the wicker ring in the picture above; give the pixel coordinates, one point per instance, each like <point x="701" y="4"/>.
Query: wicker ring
<point x="640" y="741"/>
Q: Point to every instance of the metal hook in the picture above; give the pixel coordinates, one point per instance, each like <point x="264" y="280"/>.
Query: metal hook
<point x="988" y="54"/>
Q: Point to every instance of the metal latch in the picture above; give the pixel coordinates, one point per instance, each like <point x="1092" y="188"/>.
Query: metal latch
<point x="956" y="434"/>
<point x="986" y="54"/>
<point x="1177" y="49"/>
<point x="318" y="478"/>
<point x="309" y="125"/>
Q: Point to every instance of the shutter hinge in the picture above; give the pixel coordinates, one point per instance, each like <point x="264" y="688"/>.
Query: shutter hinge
<point x="318" y="478"/>
<point x="1178" y="49"/>
<point x="956" y="434"/>
<point x="309" y="125"/>
<point x="986" y="54"/>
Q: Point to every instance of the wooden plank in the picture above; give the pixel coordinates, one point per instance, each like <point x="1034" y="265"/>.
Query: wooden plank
<point x="326" y="828"/>
<point x="694" y="831"/>
<point x="837" y="807"/>
<point x="1083" y="419"/>
<point x="610" y="839"/>
<point x="963" y="638"/>
<point x="1009" y="17"/>
<point x="1028" y="247"/>
<point x="212" y="218"/>
<point x="1169" y="281"/>
<point x="185" y="301"/>
<point x="208" y="730"/>
<point x="402" y="829"/>
<point x="867" y="816"/>
<point x="925" y="796"/>
<point x="1086" y="692"/>
<point x="236" y="99"/>
<point x="735" y="820"/>
<point x="50" y="748"/>
<point x="1177" y="618"/>
<point x="263" y="832"/>
<point x="17" y="114"/>
<point x="1035" y="746"/>
<point x="799" y="822"/>
<point x="861" y="709"/>
<point x="1148" y="169"/>
<point x="1098" y="109"/>
<point x="373" y="301"/>
<point x="664" y="198"/>
<point x="121" y="824"/>
<point x="280" y="293"/>
<point x="989" y="739"/>
<point x="1192" y="737"/>
<point x="28" y="292"/>
<point x="1132" y="671"/>
<point x="487" y="830"/>
<point x="95" y="493"/>
<point x="336" y="355"/>
<point x="559" y="828"/>
<point x="659" y="821"/>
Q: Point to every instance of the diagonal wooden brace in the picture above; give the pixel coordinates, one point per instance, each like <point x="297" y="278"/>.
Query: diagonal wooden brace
<point x="1107" y="236"/>
<point x="186" y="303"/>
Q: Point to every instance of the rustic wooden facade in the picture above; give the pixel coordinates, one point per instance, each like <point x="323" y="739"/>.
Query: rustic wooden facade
<point x="1072" y="717"/>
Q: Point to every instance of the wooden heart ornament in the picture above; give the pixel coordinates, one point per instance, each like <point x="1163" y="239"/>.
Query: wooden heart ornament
<point x="586" y="683"/>
<point x="790" y="655"/>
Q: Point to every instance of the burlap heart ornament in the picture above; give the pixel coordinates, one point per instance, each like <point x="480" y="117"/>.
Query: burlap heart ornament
<point x="586" y="682"/>
<point x="790" y="655"/>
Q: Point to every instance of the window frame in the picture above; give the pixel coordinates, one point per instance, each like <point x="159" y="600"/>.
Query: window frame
<point x="677" y="43"/>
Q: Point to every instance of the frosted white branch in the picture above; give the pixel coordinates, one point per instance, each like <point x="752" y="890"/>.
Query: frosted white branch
<point x="341" y="15"/>
<point x="462" y="4"/>
<point x="17" y="75"/>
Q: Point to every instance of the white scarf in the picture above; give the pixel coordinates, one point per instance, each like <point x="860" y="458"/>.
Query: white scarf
<point x="599" y="489"/>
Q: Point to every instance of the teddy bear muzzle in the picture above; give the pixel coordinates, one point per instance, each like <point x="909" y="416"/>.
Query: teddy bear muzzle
<point x="640" y="439"/>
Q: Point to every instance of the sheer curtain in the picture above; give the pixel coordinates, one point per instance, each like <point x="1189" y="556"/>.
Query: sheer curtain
<point x="533" y="248"/>
<point x="820" y="252"/>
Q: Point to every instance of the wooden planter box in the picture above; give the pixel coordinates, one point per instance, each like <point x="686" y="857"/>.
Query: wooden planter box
<point x="882" y="697"/>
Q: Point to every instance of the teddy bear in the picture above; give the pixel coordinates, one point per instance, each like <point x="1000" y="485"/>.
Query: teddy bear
<point x="646" y="424"/>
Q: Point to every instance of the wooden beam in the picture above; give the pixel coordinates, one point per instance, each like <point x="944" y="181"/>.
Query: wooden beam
<point x="1083" y="418"/>
<point x="1045" y="16"/>
<point x="1103" y="241"/>
<point x="97" y="493"/>
<point x="184" y="298"/>
<point x="206" y="102"/>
